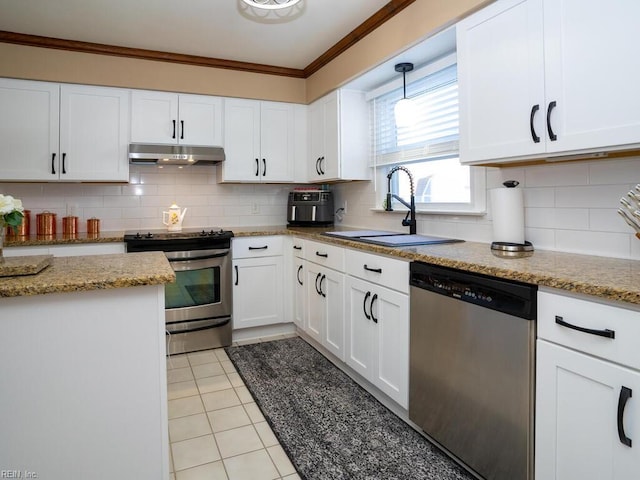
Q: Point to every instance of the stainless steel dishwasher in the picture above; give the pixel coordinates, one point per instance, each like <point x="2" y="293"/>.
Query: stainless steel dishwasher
<point x="472" y="365"/>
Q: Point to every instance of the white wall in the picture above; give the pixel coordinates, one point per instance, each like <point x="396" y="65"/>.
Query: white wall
<point x="150" y="191"/>
<point x="569" y="207"/>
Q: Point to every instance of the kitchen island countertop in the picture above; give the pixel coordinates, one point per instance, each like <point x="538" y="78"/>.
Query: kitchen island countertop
<point x="92" y="272"/>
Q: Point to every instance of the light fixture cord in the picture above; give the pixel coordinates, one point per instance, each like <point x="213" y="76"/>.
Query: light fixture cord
<point x="404" y="84"/>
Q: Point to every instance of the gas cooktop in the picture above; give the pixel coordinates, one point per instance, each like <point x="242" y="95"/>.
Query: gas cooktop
<point x="185" y="233"/>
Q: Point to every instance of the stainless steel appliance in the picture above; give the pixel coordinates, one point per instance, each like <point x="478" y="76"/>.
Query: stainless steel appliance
<point x="158" y="154"/>
<point x="198" y="306"/>
<point x="471" y="373"/>
<point x="310" y="208"/>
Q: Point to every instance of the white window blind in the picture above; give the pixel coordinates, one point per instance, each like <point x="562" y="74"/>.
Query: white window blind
<point x="434" y="134"/>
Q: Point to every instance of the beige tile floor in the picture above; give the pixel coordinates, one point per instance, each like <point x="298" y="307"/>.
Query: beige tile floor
<point x="216" y="430"/>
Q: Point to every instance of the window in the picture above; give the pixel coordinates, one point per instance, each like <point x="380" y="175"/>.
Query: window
<point x="429" y="146"/>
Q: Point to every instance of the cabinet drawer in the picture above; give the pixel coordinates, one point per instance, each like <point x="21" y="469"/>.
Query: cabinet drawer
<point x="251" y="247"/>
<point x="297" y="246"/>
<point x="384" y="271"/>
<point x="330" y="256"/>
<point x="620" y="325"/>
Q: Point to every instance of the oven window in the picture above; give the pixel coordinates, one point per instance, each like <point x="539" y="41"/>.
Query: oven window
<point x="193" y="288"/>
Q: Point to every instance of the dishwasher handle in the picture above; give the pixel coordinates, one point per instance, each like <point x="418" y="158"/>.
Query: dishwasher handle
<point x="601" y="333"/>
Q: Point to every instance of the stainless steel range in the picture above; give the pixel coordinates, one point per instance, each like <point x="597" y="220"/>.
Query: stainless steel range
<point x="198" y="306"/>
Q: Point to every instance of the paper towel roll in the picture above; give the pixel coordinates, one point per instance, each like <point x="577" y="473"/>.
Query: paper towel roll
<point x="507" y="205"/>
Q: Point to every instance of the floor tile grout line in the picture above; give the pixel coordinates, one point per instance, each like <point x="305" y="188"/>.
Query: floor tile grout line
<point x="206" y="412"/>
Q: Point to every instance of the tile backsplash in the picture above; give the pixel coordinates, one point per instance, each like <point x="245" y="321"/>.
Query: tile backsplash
<point x="151" y="190"/>
<point x="569" y="207"/>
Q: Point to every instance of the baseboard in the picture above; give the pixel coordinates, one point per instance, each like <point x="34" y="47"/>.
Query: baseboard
<point x="248" y="335"/>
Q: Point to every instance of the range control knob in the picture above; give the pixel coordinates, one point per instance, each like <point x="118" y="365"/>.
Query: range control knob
<point x="149" y="235"/>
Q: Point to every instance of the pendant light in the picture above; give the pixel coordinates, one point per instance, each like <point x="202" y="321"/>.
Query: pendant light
<point x="405" y="110"/>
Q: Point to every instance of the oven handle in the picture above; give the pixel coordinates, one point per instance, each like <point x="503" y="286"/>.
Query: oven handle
<point x="223" y="253"/>
<point x="198" y="329"/>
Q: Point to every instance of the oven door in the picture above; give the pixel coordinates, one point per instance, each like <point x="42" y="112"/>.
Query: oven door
<point x="202" y="290"/>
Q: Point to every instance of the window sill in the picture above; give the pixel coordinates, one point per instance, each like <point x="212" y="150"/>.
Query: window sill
<point x="468" y="213"/>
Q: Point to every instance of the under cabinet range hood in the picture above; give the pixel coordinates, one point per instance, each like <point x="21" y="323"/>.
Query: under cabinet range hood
<point x="155" y="154"/>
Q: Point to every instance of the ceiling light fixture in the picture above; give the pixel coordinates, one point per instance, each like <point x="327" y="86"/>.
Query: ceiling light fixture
<point x="405" y="110"/>
<point x="271" y="4"/>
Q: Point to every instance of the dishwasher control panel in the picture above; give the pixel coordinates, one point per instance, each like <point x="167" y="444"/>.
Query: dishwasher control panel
<point x="514" y="298"/>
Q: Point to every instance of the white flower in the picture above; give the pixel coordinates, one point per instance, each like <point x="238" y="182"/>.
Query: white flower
<point x="8" y="204"/>
<point x="11" y="211"/>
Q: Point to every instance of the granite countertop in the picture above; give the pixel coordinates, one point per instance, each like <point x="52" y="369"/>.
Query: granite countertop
<point x="92" y="272"/>
<point x="59" y="239"/>
<point x="612" y="279"/>
<point x="608" y="278"/>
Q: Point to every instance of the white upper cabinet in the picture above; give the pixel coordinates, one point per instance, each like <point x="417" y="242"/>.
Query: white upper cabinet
<point x="94" y="133"/>
<point x="259" y="141"/>
<point x="338" y="137"/>
<point x="172" y="118"/>
<point x="544" y="78"/>
<point x="63" y="132"/>
<point x="29" y="127"/>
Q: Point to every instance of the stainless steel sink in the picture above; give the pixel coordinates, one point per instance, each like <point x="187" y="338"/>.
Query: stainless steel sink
<point x="390" y="239"/>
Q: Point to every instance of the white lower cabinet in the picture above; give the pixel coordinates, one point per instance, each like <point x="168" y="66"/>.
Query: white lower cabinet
<point x="587" y="390"/>
<point x="258" y="279"/>
<point x="377" y="336"/>
<point x="299" y="293"/>
<point x="325" y="303"/>
<point x="584" y="415"/>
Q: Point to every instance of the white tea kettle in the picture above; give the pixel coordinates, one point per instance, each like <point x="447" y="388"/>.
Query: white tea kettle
<point x="173" y="218"/>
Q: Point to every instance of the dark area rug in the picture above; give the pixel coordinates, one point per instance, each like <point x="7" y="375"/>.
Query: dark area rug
<point x="330" y="427"/>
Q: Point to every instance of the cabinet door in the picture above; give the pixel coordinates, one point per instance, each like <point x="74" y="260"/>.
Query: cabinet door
<point x="332" y="288"/>
<point x="360" y="328"/>
<point x="277" y="141"/>
<point x="390" y="313"/>
<point x="241" y="141"/>
<point x="257" y="292"/>
<point x="316" y="139"/>
<point x="154" y="117"/>
<point x="590" y="58"/>
<point x="299" y="293"/>
<point x="330" y="163"/>
<point x="200" y="120"/>
<point x="578" y="417"/>
<point x="501" y="81"/>
<point x="315" y="302"/>
<point x="29" y="130"/>
<point x="94" y="133"/>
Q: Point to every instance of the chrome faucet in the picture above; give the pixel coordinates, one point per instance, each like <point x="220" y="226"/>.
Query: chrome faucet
<point x="407" y="222"/>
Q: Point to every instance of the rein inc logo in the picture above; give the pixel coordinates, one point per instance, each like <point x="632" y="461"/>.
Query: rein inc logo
<point x="18" y="474"/>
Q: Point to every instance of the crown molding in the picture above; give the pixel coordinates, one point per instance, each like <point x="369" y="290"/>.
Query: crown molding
<point x="381" y="16"/>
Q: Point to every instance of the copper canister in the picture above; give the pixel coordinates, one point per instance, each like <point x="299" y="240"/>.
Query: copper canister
<point x="70" y="226"/>
<point x="93" y="227"/>
<point x="46" y="224"/>
<point x="24" y="229"/>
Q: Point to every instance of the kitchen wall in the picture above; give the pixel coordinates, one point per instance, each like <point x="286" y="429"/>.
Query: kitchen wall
<point x="152" y="190"/>
<point x="412" y="25"/>
<point x="569" y="207"/>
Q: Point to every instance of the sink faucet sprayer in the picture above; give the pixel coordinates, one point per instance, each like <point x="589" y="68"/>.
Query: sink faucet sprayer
<point x="411" y="223"/>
